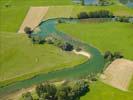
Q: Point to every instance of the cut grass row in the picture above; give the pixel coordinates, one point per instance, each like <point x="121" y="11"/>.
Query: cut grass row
<point x="19" y="57"/>
<point x="113" y="36"/>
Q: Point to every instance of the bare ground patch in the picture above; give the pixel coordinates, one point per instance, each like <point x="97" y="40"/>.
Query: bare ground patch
<point x="33" y="17"/>
<point x="119" y="74"/>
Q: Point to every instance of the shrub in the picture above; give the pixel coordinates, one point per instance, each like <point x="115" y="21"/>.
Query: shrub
<point x="83" y="15"/>
<point x="27" y="96"/>
<point x="122" y="19"/>
<point x="67" y="47"/>
<point x="27" y="30"/>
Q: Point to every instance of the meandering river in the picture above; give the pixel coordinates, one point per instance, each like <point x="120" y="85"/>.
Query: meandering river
<point x="94" y="65"/>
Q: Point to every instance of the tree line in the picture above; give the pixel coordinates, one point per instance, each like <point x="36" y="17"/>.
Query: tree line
<point x="47" y="91"/>
<point x="95" y="14"/>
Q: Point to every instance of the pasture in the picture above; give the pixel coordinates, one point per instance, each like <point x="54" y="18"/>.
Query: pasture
<point x="19" y="57"/>
<point x="113" y="36"/>
<point x="101" y="91"/>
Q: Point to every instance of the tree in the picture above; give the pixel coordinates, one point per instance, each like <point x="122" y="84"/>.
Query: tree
<point x="47" y="91"/>
<point x="117" y="55"/>
<point x="40" y="90"/>
<point x="27" y="96"/>
<point x="83" y="2"/>
<point x="62" y="93"/>
<point x="83" y="15"/>
<point x="108" y="55"/>
<point x="27" y="30"/>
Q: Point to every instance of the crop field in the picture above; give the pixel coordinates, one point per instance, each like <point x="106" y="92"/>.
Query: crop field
<point x="101" y="91"/>
<point x="19" y="56"/>
<point x="113" y="36"/>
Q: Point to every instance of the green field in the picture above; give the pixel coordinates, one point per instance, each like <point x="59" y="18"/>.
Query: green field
<point x="101" y="91"/>
<point x="113" y="36"/>
<point x="117" y="10"/>
<point x="20" y="57"/>
<point x="58" y="11"/>
<point x="19" y="8"/>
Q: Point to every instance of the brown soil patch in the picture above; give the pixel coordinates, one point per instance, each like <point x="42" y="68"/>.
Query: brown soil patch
<point x="33" y="17"/>
<point x="119" y="74"/>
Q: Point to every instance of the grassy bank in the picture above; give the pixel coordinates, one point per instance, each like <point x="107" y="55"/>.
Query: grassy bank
<point x="113" y="36"/>
<point x="101" y="91"/>
<point x="20" y="57"/>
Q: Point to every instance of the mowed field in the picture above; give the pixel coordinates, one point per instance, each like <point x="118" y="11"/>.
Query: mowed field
<point x="19" y="57"/>
<point x="101" y="91"/>
<point x="113" y="36"/>
<point x="59" y="11"/>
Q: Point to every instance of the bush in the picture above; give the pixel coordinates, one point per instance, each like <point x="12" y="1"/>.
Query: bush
<point x="111" y="57"/>
<point x="27" y="30"/>
<point x="123" y="19"/>
<point x="27" y="96"/>
<point x="67" y="47"/>
<point x="83" y="15"/>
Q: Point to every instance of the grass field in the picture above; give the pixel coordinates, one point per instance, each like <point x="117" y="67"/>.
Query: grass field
<point x="20" y="57"/>
<point x="101" y="91"/>
<point x="113" y="36"/>
<point x="19" y="8"/>
<point x="59" y="11"/>
<point x="118" y="10"/>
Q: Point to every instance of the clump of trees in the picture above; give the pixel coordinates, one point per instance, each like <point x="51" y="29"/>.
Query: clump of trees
<point x="28" y="31"/>
<point x="46" y="91"/>
<point x="112" y="56"/>
<point x="66" y="46"/>
<point x="49" y="91"/>
<point x="96" y="14"/>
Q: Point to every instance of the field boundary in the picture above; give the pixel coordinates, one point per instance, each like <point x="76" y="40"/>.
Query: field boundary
<point x="119" y="74"/>
<point x="33" y="17"/>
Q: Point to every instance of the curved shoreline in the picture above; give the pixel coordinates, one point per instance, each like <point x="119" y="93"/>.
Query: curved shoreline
<point x="92" y="66"/>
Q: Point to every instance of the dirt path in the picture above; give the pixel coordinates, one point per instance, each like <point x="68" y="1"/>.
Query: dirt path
<point x="119" y="74"/>
<point x="86" y="54"/>
<point x="33" y="17"/>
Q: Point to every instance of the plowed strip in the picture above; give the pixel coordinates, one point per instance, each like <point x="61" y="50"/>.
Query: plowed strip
<point x="33" y="17"/>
